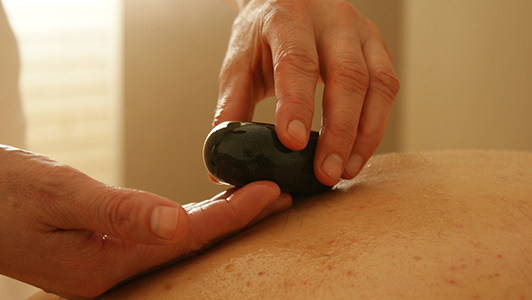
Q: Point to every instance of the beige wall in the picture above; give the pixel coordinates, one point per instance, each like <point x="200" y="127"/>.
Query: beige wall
<point x="465" y="68"/>
<point x="173" y="52"/>
<point x="467" y="75"/>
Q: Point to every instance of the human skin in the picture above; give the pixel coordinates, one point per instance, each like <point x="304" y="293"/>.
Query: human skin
<point x="71" y="235"/>
<point x="51" y="210"/>
<point x="282" y="48"/>
<point x="448" y="225"/>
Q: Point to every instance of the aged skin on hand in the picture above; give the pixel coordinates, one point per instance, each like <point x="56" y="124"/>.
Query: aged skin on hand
<point x="76" y="237"/>
<point x="284" y="48"/>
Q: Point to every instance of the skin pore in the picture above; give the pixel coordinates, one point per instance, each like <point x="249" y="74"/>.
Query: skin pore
<point x="436" y="225"/>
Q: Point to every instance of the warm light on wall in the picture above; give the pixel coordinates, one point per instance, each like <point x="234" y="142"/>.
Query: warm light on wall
<point x="70" y="81"/>
<point x="70" y="85"/>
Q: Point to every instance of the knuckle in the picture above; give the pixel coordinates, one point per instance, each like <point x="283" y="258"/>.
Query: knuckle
<point x="54" y="189"/>
<point x="300" y="100"/>
<point x="373" y="28"/>
<point x="218" y="221"/>
<point x="385" y="82"/>
<point x="292" y="55"/>
<point x="228" y="217"/>
<point x="347" y="11"/>
<point x="119" y="211"/>
<point x="350" y="75"/>
<point x="342" y="129"/>
<point x="233" y="216"/>
<point x="370" y="138"/>
<point x="283" y="10"/>
<point x="197" y="239"/>
<point x="296" y="59"/>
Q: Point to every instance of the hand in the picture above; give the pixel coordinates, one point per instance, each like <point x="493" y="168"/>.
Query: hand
<point x="281" y="47"/>
<point x="71" y="235"/>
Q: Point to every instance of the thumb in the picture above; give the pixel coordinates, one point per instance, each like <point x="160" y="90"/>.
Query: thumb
<point x="130" y="215"/>
<point x="233" y="210"/>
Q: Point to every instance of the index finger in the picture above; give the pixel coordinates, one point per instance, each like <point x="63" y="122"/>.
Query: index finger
<point x="296" y="72"/>
<point x="346" y="78"/>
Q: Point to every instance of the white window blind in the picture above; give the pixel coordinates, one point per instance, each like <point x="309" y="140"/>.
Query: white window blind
<point x="70" y="81"/>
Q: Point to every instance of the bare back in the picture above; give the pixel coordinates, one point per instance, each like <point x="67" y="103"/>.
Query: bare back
<point x="452" y="225"/>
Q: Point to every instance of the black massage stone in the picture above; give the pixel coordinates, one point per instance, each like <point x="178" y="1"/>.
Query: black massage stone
<point x="238" y="153"/>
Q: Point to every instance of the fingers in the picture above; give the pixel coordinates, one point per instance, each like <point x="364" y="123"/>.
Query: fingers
<point x="382" y="90"/>
<point x="127" y="214"/>
<point x="346" y="79"/>
<point x="360" y="86"/>
<point x="294" y="45"/>
<point x="71" y="200"/>
<point x="296" y="71"/>
<point x="233" y="210"/>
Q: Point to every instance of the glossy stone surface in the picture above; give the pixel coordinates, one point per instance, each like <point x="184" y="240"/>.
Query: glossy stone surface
<point x="238" y="153"/>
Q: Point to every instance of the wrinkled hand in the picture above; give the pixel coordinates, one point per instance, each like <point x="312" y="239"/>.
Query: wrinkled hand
<point x="281" y="48"/>
<point x="71" y="235"/>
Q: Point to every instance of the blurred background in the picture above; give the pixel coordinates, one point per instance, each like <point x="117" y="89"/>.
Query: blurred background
<point x="126" y="90"/>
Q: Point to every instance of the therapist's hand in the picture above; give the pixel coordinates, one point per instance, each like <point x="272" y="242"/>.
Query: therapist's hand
<point x="71" y="235"/>
<point x="281" y="48"/>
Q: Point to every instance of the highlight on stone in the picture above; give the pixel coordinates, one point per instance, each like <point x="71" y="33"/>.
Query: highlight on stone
<point x="237" y="153"/>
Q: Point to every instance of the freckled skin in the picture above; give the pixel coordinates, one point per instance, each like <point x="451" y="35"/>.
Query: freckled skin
<point x="451" y="225"/>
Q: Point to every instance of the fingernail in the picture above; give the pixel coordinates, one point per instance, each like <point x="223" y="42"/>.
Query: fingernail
<point x="332" y="166"/>
<point x="298" y="131"/>
<point x="163" y="221"/>
<point x="354" y="164"/>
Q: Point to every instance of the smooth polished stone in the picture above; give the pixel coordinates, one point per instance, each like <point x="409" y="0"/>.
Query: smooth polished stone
<point x="238" y="153"/>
